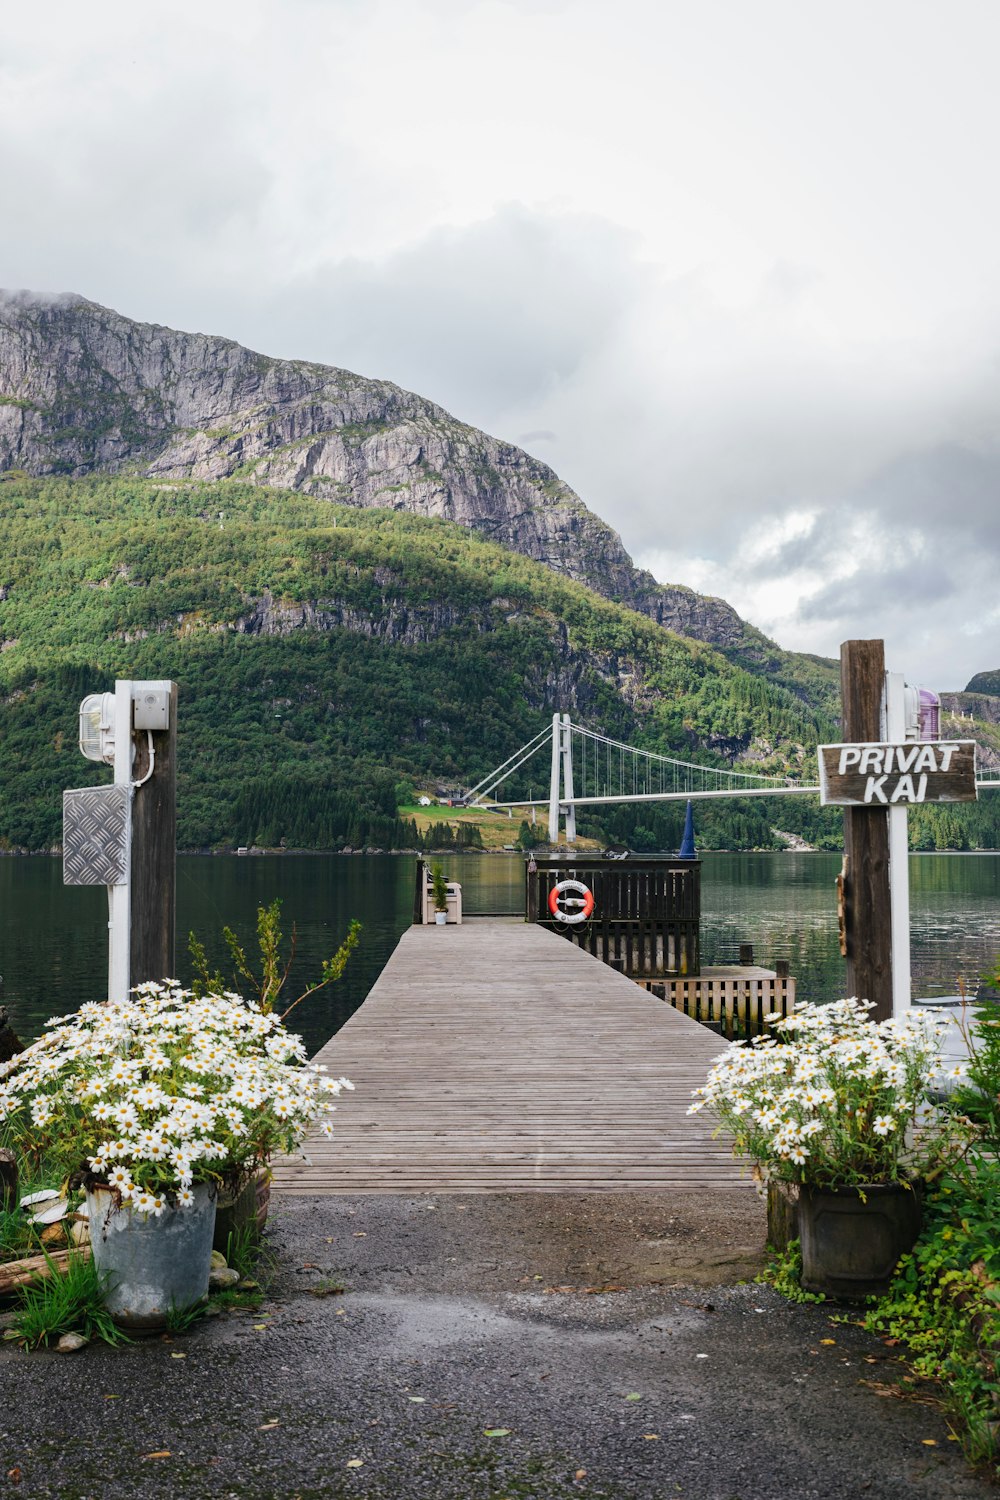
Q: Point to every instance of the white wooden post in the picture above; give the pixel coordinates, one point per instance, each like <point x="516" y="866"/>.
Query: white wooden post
<point x="120" y="896"/>
<point x="899" y="855"/>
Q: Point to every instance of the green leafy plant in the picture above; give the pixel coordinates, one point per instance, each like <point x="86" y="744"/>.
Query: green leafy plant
<point x="69" y="1301"/>
<point x="269" y="981"/>
<point x="784" y="1272"/>
<point x="944" y="1303"/>
<point x="978" y="1095"/>
<point x="439" y="888"/>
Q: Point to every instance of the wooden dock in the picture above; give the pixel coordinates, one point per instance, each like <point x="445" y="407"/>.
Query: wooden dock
<point x="497" y="1057"/>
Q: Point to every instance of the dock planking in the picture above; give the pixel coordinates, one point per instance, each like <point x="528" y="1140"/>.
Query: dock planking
<point x="496" y="1057"/>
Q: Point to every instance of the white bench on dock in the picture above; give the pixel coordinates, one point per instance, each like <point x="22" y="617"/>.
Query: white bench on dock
<point x="497" y="1057"/>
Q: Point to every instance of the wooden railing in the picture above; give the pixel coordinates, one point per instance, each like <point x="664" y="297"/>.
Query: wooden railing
<point x="646" y="914"/>
<point x="731" y="1000"/>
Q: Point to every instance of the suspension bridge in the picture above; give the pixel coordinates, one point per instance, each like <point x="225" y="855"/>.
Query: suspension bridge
<point x="590" y="769"/>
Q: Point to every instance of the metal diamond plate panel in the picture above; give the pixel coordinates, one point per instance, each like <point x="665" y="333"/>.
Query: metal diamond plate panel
<point x="95" y="835"/>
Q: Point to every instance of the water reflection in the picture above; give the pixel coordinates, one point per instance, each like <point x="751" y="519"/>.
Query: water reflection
<point x="53" y="939"/>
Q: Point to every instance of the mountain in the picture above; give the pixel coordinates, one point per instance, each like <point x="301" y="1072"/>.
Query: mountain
<point x="984" y="683"/>
<point x="413" y="602"/>
<point x="84" y="390"/>
<point x="331" y="657"/>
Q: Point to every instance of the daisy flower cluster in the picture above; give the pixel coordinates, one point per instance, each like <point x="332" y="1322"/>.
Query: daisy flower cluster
<point x="163" y="1090"/>
<point x="830" y="1097"/>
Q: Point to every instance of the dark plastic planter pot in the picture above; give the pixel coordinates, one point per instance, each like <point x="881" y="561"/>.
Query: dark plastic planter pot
<point x="853" y="1237"/>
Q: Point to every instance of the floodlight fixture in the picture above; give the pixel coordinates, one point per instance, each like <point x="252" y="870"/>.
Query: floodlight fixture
<point x="97" y="727"/>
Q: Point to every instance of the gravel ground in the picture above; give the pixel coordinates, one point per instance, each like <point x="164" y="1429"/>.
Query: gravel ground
<point x="502" y="1346"/>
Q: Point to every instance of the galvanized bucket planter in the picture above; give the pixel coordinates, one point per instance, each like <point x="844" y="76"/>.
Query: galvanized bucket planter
<point x="151" y="1266"/>
<point x="852" y="1237"/>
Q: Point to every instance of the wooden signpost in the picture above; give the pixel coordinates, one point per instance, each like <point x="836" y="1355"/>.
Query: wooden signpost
<point x="875" y="775"/>
<point x="881" y="775"/>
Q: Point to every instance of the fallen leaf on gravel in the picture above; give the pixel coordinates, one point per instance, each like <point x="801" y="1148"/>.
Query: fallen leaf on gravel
<point x="634" y="1396"/>
<point x="361" y="1234"/>
<point x="651" y="1437"/>
<point x="417" y="1399"/>
<point x="828" y="1341"/>
<point x="260" y="1327"/>
<point x="929" y="1442"/>
<point x="496" y="1432"/>
<point x="266" y="1426"/>
<point x="580" y="1474"/>
<point x="174" y="1354"/>
<point x="14" y="1475"/>
<point x="160" y="1453"/>
<point x="598" y="1291"/>
<point x="354" y="1463"/>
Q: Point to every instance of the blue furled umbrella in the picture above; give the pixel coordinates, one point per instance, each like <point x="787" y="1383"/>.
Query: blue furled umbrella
<point x="687" y="842"/>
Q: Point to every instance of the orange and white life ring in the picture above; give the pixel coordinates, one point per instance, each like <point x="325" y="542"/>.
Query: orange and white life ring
<point x="577" y="907"/>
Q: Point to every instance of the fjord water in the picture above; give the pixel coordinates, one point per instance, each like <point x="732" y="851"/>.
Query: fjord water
<point x="53" y="938"/>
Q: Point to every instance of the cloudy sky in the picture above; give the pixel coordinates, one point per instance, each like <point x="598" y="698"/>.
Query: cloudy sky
<point x="731" y="266"/>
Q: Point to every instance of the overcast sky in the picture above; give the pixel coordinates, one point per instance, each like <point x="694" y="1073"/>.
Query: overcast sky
<point x="732" y="267"/>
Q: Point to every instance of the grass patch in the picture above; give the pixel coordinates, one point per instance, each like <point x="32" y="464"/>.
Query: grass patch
<point x="65" y="1302"/>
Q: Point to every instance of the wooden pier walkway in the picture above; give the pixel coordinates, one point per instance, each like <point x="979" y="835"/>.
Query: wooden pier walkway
<point x="497" y="1057"/>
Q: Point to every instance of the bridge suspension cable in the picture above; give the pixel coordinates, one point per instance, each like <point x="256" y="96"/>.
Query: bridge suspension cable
<point x="588" y="768"/>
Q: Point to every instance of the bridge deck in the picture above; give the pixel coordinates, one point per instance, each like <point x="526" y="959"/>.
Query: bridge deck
<point x="497" y="1057"/>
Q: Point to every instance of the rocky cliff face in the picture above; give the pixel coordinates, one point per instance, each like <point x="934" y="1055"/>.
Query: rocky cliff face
<point x="83" y="389"/>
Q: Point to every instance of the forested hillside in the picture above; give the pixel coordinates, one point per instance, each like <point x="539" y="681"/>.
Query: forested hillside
<point x="329" y="658"/>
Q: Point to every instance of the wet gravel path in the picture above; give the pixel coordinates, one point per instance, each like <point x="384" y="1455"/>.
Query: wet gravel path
<point x="521" y="1346"/>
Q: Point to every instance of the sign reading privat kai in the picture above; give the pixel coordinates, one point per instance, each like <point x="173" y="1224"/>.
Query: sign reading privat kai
<point x="897" y="775"/>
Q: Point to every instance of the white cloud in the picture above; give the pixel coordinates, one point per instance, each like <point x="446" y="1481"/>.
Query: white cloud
<point x="724" y="266"/>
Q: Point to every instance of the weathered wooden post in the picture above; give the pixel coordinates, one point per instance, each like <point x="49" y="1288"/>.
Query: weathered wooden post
<point x="889" y="759"/>
<point x="867" y="906"/>
<point x="153" y="915"/>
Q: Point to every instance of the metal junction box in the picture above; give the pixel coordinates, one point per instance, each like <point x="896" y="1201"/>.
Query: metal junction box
<point x="151" y="706"/>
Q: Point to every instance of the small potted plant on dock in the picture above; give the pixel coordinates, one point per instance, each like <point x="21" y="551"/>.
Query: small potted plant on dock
<point x="439" y="895"/>
<point x="154" y="1103"/>
<point x="833" y="1107"/>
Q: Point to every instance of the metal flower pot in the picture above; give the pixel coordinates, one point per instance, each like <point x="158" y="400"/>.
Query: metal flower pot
<point x="151" y="1266"/>
<point x="853" y="1237"/>
<point x="237" y="1212"/>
